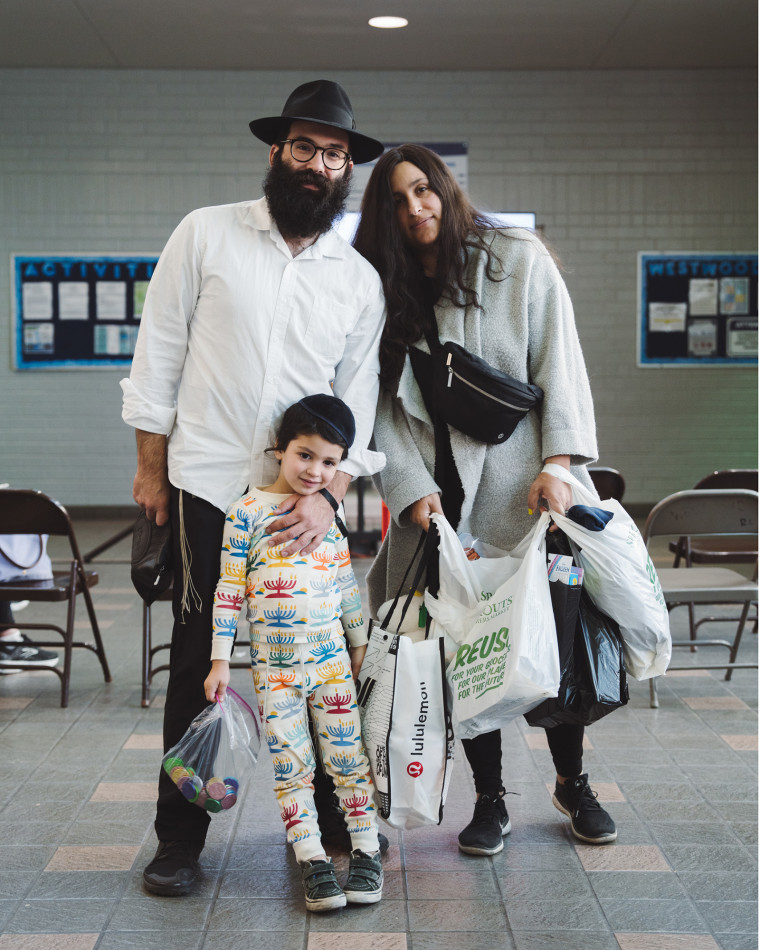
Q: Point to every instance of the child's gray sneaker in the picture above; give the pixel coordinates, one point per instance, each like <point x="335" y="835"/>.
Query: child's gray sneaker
<point x="321" y="886"/>
<point x="364" y="884"/>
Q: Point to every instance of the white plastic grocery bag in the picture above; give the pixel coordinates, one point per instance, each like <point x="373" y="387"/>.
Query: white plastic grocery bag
<point x="621" y="579"/>
<point x="499" y="612"/>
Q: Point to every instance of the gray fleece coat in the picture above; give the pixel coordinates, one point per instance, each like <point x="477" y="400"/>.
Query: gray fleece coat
<point x="525" y="328"/>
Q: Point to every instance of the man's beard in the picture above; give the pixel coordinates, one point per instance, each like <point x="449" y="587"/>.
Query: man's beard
<point x="299" y="211"/>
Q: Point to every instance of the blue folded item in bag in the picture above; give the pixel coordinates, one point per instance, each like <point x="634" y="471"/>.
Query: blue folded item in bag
<point x="593" y="519"/>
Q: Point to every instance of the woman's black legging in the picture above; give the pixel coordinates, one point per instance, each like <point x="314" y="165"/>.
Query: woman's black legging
<point x="484" y="755"/>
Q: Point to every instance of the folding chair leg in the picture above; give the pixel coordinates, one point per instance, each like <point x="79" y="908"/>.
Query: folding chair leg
<point x="100" y="649"/>
<point x="654" y="702"/>
<point x="737" y="639"/>
<point x="692" y="628"/>
<point x="68" y="639"/>
<point x="146" y="656"/>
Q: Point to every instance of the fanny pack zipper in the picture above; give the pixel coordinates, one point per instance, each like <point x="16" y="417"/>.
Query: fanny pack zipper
<point x="453" y="373"/>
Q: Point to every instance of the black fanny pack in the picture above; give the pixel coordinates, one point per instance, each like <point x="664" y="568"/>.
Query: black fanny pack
<point x="468" y="393"/>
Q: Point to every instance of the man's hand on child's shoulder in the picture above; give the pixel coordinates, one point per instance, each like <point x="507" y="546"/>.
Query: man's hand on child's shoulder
<point x="305" y="521"/>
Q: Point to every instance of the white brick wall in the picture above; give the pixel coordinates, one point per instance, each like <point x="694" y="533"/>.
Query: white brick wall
<point x="611" y="162"/>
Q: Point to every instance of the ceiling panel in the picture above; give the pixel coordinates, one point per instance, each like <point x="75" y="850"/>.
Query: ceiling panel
<point x="49" y="33"/>
<point x="442" y="34"/>
<point x="709" y="34"/>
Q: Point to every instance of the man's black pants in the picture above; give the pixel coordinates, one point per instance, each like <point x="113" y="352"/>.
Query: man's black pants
<point x="190" y="657"/>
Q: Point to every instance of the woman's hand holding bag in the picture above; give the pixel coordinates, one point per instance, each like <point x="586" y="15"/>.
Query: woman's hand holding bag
<point x="619" y="576"/>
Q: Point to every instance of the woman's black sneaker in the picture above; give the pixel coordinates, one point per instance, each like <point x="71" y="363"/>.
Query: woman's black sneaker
<point x="174" y="868"/>
<point x="490" y="822"/>
<point x="588" y="820"/>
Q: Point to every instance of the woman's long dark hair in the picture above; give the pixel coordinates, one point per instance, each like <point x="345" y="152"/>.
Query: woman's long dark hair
<point x="378" y="238"/>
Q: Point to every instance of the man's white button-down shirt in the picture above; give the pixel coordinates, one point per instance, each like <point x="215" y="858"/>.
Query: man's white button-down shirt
<point x="234" y="330"/>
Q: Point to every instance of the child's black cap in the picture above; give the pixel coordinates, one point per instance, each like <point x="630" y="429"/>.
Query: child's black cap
<point x="334" y="412"/>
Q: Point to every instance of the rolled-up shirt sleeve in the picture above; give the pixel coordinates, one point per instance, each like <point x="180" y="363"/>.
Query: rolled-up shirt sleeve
<point x="149" y="395"/>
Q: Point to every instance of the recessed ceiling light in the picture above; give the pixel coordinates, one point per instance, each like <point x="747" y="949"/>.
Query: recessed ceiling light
<point x="388" y="22"/>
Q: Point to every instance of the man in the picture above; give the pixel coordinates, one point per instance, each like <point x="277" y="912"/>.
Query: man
<point x="252" y="306"/>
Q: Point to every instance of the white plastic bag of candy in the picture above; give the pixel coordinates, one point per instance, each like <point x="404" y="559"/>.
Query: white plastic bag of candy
<point x="217" y="754"/>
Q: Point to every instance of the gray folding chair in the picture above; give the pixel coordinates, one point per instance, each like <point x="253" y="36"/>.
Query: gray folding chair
<point x="702" y="513"/>
<point x="730" y="550"/>
<point x="722" y="550"/>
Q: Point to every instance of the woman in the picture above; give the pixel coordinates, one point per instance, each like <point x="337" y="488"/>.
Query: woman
<point x="499" y="294"/>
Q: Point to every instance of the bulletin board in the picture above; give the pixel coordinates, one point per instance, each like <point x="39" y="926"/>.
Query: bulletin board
<point x="77" y="312"/>
<point x="697" y="309"/>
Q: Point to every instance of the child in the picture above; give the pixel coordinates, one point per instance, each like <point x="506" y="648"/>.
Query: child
<point x="298" y="609"/>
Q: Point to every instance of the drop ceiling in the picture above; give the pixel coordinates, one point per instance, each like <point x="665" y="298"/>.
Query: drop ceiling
<point x="334" y="35"/>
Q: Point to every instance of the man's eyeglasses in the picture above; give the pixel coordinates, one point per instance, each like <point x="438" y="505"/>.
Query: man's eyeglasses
<point x="303" y="150"/>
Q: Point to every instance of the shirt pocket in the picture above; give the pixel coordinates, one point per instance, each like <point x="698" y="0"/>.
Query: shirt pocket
<point x="328" y="326"/>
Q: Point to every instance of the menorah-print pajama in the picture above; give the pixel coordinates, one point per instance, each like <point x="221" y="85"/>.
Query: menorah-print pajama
<point x="300" y="611"/>
<point x="288" y="677"/>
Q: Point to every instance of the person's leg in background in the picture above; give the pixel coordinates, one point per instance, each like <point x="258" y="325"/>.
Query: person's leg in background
<point x="572" y="796"/>
<point x="180" y="825"/>
<point x="490" y="821"/>
<point x="16" y="649"/>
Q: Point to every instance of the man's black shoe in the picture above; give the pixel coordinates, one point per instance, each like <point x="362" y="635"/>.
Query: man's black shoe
<point x="589" y="822"/>
<point x="490" y="823"/>
<point x="173" y="870"/>
<point x="332" y="826"/>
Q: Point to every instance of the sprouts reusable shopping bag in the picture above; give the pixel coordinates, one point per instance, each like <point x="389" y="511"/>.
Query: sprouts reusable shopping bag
<point x="619" y="576"/>
<point x="216" y="754"/>
<point x="499" y="612"/>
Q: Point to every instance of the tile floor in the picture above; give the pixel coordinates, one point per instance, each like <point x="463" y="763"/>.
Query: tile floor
<point x="78" y="785"/>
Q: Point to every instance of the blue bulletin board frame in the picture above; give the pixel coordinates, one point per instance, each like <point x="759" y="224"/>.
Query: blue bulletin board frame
<point x="77" y="311"/>
<point x="696" y="309"/>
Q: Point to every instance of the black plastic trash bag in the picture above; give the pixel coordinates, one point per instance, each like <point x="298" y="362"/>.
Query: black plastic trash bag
<point x="592" y="678"/>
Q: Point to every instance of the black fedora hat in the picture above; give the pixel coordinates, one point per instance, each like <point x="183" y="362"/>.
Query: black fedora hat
<point x="325" y="103"/>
